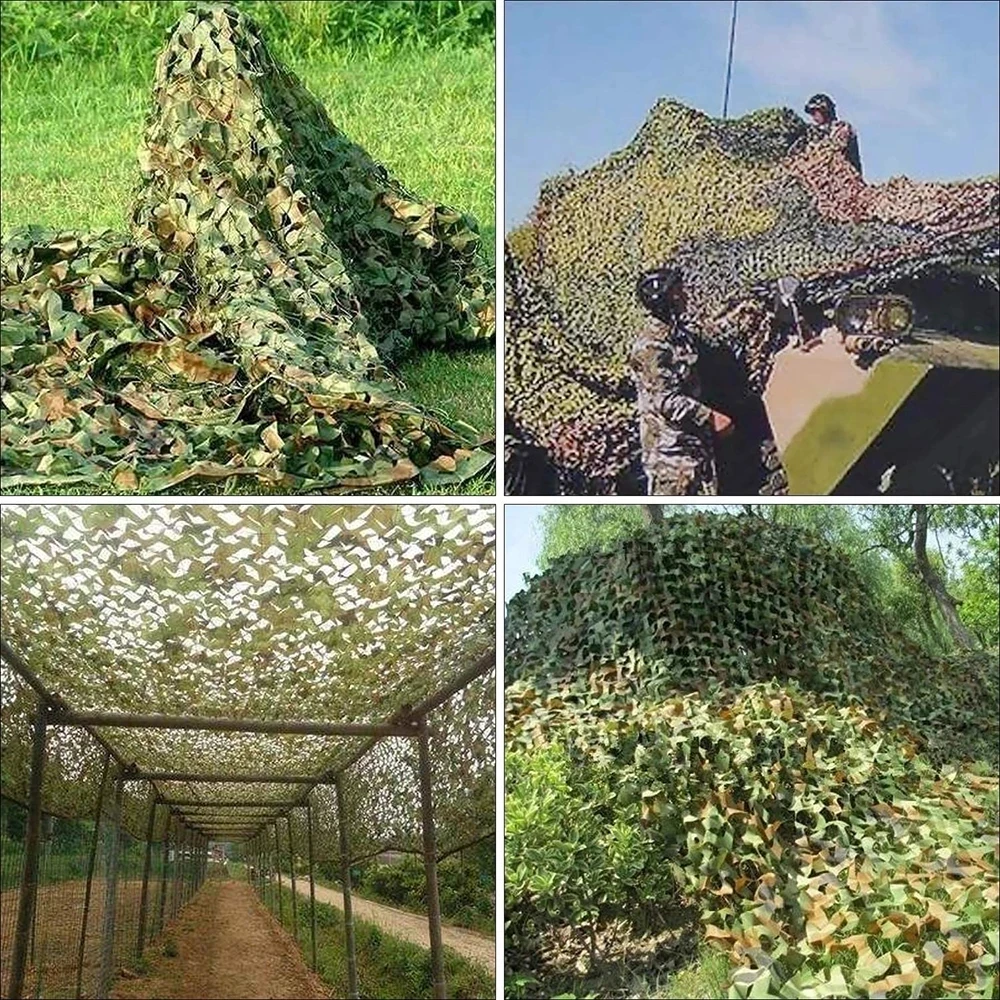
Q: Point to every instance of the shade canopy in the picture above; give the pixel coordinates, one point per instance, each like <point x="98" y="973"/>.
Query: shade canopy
<point x="160" y="632"/>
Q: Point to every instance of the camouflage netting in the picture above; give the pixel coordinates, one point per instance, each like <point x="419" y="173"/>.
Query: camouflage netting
<point x="729" y="204"/>
<point x="718" y="599"/>
<point x="316" y="613"/>
<point x="244" y="325"/>
<point x="713" y="718"/>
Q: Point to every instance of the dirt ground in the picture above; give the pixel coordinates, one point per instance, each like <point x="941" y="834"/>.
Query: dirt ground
<point x="475" y="947"/>
<point x="227" y="945"/>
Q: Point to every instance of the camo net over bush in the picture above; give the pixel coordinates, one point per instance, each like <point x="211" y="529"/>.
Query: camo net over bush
<point x="717" y="706"/>
<point x="717" y="599"/>
<point x="244" y="325"/>
<point x="731" y="206"/>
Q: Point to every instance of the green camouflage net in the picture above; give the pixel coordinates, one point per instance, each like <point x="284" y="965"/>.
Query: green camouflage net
<point x="719" y="599"/>
<point x="245" y="324"/>
<point x="334" y="613"/>
<point x="728" y="203"/>
<point x="714" y="714"/>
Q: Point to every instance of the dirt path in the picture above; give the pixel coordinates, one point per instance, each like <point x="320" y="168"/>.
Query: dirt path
<point x="228" y="945"/>
<point x="472" y="945"/>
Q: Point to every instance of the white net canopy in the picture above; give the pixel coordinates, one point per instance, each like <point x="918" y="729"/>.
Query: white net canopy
<point x="315" y="613"/>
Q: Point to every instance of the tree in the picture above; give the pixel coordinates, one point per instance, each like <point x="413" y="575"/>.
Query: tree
<point x="932" y="580"/>
<point x="902" y="531"/>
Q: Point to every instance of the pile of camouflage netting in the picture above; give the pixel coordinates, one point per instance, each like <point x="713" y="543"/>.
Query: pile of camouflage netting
<point x="733" y="206"/>
<point x="716" y="714"/>
<point x="244" y="325"/>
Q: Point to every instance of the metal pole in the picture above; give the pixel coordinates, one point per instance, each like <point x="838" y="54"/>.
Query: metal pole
<point x="112" y="841"/>
<point x="29" y="876"/>
<point x="291" y="859"/>
<point x="144" y="897"/>
<point x="729" y="61"/>
<point x="91" y="860"/>
<point x="175" y="873"/>
<point x="163" y="873"/>
<point x="312" y="884"/>
<point x="430" y="864"/>
<point x="277" y="865"/>
<point x="345" y="884"/>
<point x="129" y="720"/>
<point x="186" y="860"/>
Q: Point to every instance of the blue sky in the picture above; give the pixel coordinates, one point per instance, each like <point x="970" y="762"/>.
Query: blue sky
<point x="919" y="81"/>
<point x="522" y="543"/>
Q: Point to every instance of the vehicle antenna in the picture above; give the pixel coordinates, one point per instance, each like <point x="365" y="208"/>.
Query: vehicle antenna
<point x="729" y="61"/>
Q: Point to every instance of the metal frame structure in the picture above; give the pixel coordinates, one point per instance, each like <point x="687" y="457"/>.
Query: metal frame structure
<point x="189" y="831"/>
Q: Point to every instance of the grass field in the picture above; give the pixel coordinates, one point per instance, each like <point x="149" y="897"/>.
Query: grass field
<point x="70" y="131"/>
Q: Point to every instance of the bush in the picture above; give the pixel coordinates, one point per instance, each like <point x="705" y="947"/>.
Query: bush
<point x="573" y="859"/>
<point x="464" y="888"/>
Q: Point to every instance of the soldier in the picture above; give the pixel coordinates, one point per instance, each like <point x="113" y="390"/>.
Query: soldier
<point x="826" y="125"/>
<point x="676" y="429"/>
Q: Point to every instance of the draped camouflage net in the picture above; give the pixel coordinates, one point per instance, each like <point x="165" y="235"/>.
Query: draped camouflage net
<point x="328" y="613"/>
<point x="719" y="599"/>
<point x="728" y="203"/>
<point x="246" y="323"/>
<point x="715" y="713"/>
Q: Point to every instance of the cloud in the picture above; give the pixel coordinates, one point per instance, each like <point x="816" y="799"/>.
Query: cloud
<point x="853" y="51"/>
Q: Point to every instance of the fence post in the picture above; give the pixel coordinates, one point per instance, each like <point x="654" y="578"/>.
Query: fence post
<point x="163" y="872"/>
<point x="345" y="884"/>
<point x="113" y="841"/>
<point x="175" y="884"/>
<point x="430" y="862"/>
<point x="291" y="861"/>
<point x="277" y="865"/>
<point x="312" y="883"/>
<point x="29" y="876"/>
<point x="144" y="897"/>
<point x="91" y="860"/>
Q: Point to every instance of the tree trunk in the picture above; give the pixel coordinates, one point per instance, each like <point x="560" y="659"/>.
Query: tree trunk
<point x="932" y="581"/>
<point x="653" y="512"/>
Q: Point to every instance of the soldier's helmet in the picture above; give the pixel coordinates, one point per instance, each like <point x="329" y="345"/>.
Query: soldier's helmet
<point x="821" y="102"/>
<point x="653" y="290"/>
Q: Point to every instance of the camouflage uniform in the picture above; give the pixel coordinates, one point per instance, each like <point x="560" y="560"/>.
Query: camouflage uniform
<point x="674" y="426"/>
<point x="842" y="135"/>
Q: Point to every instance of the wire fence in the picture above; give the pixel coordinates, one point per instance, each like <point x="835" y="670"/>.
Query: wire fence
<point x="83" y="864"/>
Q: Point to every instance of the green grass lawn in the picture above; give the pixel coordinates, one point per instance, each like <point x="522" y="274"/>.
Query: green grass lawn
<point x="70" y="133"/>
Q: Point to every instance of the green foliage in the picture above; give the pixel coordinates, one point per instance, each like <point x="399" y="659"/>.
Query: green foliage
<point x="570" y="528"/>
<point x="82" y="32"/>
<point x="388" y="967"/>
<point x="572" y="858"/>
<point x="464" y="888"/>
<point x="978" y="586"/>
